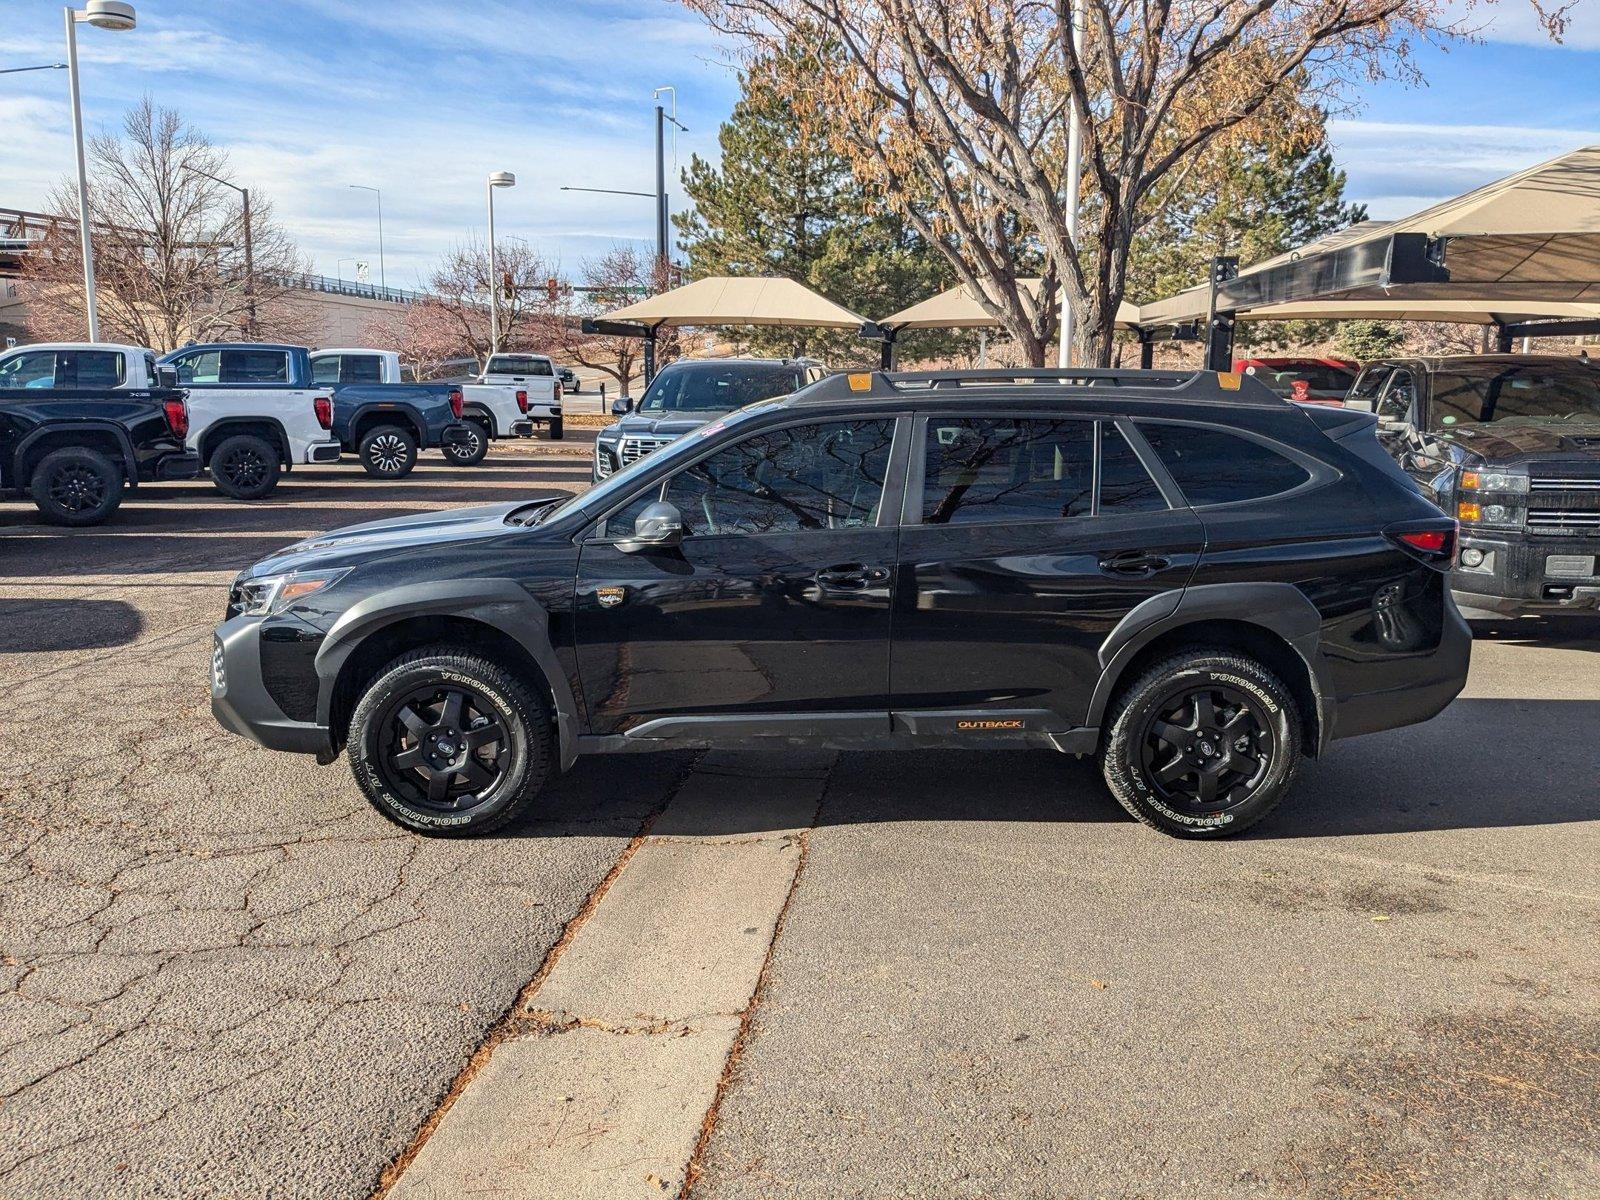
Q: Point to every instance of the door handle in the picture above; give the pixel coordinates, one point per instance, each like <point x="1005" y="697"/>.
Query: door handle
<point x="851" y="576"/>
<point x="1134" y="562"/>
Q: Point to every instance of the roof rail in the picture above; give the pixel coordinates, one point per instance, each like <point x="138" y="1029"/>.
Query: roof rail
<point x="1198" y="386"/>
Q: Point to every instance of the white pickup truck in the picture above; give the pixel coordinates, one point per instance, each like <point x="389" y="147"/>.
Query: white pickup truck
<point x="540" y="377"/>
<point x="246" y="423"/>
<point x="492" y="408"/>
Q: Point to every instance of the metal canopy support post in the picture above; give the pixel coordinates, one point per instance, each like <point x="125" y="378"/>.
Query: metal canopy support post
<point x="1220" y="321"/>
<point x="886" y="350"/>
<point x="1147" y="350"/>
<point x="1502" y="339"/>
<point x="650" y="354"/>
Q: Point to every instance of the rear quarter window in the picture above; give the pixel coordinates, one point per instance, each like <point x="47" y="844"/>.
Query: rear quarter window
<point x="1212" y="466"/>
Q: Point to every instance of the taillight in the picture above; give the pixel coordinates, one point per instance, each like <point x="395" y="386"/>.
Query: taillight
<point x="522" y="401"/>
<point x="324" y="407"/>
<point x="177" y="414"/>
<point x="455" y="401"/>
<point x="1437" y="543"/>
<point x="558" y="391"/>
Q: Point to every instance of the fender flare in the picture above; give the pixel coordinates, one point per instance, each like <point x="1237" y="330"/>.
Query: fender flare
<point x="130" y="464"/>
<point x="502" y="604"/>
<point x="413" y="418"/>
<point x="222" y="424"/>
<point x="1279" y="608"/>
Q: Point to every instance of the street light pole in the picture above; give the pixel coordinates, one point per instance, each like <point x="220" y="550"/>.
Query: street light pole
<point x="102" y="14"/>
<point x="663" y="248"/>
<point x="498" y="179"/>
<point x="249" y="249"/>
<point x="383" y="278"/>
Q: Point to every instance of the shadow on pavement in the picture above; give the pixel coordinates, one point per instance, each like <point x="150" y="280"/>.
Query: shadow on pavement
<point x="1482" y="764"/>
<point x="1554" y="633"/>
<point x="47" y="625"/>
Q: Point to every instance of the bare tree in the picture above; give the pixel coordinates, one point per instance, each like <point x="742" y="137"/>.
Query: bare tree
<point x="618" y="277"/>
<point x="957" y="112"/>
<point x="169" y="245"/>
<point x="459" y="309"/>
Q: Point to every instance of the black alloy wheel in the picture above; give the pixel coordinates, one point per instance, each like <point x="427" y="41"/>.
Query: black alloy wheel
<point x="1207" y="748"/>
<point x="245" y="467"/>
<point x="444" y="747"/>
<point x="76" y="486"/>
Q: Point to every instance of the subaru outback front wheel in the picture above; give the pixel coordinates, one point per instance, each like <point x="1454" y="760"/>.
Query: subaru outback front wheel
<point x="446" y="742"/>
<point x="1203" y="744"/>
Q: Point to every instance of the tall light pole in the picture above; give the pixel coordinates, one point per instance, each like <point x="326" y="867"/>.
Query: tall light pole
<point x="1074" y="179"/>
<point x="249" y="250"/>
<point x="383" y="279"/>
<point x="663" y="249"/>
<point x="500" y="179"/>
<point x="102" y="14"/>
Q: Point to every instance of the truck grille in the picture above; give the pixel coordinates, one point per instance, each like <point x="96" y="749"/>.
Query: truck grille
<point x="635" y="448"/>
<point x="1565" y="505"/>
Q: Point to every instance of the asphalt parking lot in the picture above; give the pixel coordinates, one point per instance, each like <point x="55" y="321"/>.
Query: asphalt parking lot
<point x="225" y="975"/>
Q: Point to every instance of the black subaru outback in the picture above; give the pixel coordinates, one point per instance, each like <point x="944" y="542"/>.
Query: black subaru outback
<point x="1185" y="574"/>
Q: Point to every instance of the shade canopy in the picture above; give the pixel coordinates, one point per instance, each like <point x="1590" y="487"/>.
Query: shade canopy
<point x="1521" y="246"/>
<point x="726" y="300"/>
<point x="1449" y="312"/>
<point x="959" y="308"/>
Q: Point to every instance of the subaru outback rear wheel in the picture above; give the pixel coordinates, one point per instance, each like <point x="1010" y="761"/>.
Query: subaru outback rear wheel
<point x="446" y="742"/>
<point x="1203" y="744"/>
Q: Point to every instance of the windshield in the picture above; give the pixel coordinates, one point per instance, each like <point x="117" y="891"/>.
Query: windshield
<point x="617" y="487"/>
<point x="1525" y="391"/>
<point x="717" y="389"/>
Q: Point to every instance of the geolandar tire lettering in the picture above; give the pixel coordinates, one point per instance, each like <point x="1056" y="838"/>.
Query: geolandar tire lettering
<point x="446" y="742"/>
<point x="1204" y="743"/>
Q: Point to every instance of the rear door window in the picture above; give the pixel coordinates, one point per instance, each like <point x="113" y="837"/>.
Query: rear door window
<point x="91" y="368"/>
<point x="203" y="366"/>
<point x="325" y="368"/>
<point x="255" y="366"/>
<point x="1212" y="466"/>
<point x="983" y="470"/>
<point x="360" y="368"/>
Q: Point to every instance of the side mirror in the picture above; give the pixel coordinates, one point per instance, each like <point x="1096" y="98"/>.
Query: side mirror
<point x="1359" y="404"/>
<point x="622" y="406"/>
<point x="166" y="375"/>
<point x="658" y="527"/>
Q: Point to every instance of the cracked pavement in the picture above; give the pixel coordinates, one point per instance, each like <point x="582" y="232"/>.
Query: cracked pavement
<point x="222" y="973"/>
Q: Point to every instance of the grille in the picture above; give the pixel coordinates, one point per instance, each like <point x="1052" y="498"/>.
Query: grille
<point x="635" y="448"/>
<point x="1556" y="483"/>
<point x="1564" y="520"/>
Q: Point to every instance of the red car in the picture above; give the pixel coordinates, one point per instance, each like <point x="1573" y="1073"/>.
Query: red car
<point x="1310" y="380"/>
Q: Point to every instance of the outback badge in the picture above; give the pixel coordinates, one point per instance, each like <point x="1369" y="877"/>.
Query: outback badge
<point x="610" y="597"/>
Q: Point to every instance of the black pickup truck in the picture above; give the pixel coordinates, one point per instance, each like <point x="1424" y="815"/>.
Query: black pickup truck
<point x="74" y="450"/>
<point x="1509" y="445"/>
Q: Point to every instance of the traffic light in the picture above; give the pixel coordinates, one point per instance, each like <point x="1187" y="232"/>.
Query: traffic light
<point x="507" y="288"/>
<point x="552" y="288"/>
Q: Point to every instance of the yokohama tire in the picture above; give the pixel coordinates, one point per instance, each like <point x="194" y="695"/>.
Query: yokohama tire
<point x="1210" y="704"/>
<point x="412" y="692"/>
<point x="76" y="486"/>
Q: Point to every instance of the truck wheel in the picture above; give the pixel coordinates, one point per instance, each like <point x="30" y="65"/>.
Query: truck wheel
<point x="558" y="429"/>
<point x="470" y="453"/>
<point x="1202" y="744"/>
<point x="388" y="452"/>
<point x="245" y="467"/>
<point x="77" y="486"/>
<point x="446" y="742"/>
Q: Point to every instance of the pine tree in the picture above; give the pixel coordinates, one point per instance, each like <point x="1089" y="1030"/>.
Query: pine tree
<point x="783" y="202"/>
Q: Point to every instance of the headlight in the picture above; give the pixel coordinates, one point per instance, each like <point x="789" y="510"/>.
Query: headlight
<point x="268" y="594"/>
<point x="1494" y="481"/>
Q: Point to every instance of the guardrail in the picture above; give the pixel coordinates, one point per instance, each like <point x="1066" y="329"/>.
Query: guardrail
<point x="351" y="287"/>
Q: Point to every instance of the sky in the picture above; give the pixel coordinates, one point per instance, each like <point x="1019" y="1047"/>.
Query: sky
<point x="424" y="98"/>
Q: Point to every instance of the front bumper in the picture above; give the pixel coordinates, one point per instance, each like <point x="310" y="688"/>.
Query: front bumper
<point x="239" y="697"/>
<point x="322" y="452"/>
<point x="178" y="466"/>
<point x="1521" y="574"/>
